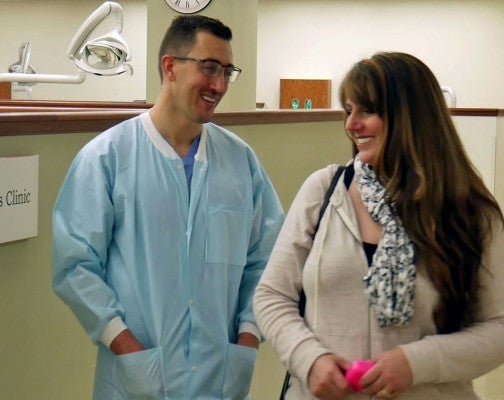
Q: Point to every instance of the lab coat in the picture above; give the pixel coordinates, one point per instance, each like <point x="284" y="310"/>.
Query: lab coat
<point x="180" y="270"/>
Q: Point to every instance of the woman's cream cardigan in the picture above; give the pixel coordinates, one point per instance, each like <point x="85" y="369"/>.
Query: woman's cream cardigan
<point x="338" y="318"/>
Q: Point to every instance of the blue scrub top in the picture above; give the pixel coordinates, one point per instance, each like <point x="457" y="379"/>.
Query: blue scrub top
<point x="189" y="161"/>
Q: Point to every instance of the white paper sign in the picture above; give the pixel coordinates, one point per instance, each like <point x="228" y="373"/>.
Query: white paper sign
<point x="18" y="197"/>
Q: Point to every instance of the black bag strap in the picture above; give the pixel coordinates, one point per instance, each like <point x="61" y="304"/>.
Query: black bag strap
<point x="302" y="296"/>
<point x="328" y="194"/>
<point x="325" y="203"/>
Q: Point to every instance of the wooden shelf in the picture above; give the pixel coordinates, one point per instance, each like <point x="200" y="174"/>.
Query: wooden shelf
<point x="52" y="117"/>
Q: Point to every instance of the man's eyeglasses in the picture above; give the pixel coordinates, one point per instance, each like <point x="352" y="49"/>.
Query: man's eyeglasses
<point x="213" y="68"/>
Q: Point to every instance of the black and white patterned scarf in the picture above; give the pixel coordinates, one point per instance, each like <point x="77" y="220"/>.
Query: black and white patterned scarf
<point x="390" y="281"/>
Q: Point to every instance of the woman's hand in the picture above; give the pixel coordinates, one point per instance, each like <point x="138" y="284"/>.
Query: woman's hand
<point x="390" y="376"/>
<point x="326" y="378"/>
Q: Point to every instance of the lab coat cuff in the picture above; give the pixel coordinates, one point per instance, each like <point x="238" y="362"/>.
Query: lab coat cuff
<point x="111" y="330"/>
<point x="250" y="327"/>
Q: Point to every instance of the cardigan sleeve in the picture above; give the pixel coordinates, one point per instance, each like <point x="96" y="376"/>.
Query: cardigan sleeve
<point x="277" y="295"/>
<point x="478" y="349"/>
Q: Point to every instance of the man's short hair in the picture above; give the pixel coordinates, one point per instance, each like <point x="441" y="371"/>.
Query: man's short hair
<point x="181" y="35"/>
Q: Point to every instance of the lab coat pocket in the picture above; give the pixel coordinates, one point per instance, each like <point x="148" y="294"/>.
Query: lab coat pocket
<point x="239" y="369"/>
<point x="227" y="236"/>
<point x="141" y="374"/>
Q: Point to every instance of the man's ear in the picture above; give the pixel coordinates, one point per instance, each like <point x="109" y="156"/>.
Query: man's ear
<point x="167" y="63"/>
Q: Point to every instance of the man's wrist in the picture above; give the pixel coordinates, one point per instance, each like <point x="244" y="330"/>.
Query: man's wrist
<point x="248" y="339"/>
<point x="125" y="343"/>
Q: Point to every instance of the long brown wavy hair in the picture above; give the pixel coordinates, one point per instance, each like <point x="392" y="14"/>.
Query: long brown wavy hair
<point x="441" y="199"/>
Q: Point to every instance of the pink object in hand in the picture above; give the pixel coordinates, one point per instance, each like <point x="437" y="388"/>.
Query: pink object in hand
<point x="356" y="371"/>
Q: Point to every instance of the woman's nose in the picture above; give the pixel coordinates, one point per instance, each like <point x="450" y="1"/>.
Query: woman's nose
<point x="353" y="123"/>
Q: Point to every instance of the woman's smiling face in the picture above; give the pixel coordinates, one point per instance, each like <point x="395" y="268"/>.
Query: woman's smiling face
<point x="365" y="128"/>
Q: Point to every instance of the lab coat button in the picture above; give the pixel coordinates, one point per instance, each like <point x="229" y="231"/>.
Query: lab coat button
<point x="191" y="302"/>
<point x="194" y="368"/>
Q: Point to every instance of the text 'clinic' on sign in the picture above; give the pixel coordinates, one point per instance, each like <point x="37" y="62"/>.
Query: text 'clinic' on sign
<point x="15" y="197"/>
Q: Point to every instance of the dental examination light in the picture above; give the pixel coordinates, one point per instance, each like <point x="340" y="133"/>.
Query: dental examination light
<point x="105" y="55"/>
<point x="23" y="66"/>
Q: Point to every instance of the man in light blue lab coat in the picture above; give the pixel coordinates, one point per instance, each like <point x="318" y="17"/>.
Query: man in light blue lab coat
<point x="162" y="228"/>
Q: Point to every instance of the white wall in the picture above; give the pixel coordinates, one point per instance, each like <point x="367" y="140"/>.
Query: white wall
<point x="49" y="26"/>
<point x="460" y="40"/>
<point x="479" y="136"/>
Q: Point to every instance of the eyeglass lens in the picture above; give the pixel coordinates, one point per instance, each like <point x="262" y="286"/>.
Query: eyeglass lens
<point x="213" y="68"/>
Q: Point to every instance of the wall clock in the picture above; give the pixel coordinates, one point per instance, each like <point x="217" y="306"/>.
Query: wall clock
<point x="188" y="6"/>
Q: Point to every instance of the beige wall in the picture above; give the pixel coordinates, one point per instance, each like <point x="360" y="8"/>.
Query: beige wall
<point x="44" y="351"/>
<point x="292" y="152"/>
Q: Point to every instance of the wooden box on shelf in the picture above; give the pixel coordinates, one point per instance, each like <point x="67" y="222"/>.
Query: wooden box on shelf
<point x="316" y="90"/>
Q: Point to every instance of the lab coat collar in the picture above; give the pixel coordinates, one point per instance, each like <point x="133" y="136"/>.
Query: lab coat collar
<point x="164" y="146"/>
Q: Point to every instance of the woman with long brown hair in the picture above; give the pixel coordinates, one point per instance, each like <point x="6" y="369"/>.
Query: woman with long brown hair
<point x="407" y="266"/>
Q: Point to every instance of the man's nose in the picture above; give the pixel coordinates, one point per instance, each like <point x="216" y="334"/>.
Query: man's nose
<point x="219" y="83"/>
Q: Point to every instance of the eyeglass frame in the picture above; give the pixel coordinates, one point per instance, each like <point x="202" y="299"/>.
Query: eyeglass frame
<point x="231" y="78"/>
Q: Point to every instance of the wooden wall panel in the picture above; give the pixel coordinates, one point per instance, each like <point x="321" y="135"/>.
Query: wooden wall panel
<point x="318" y="90"/>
